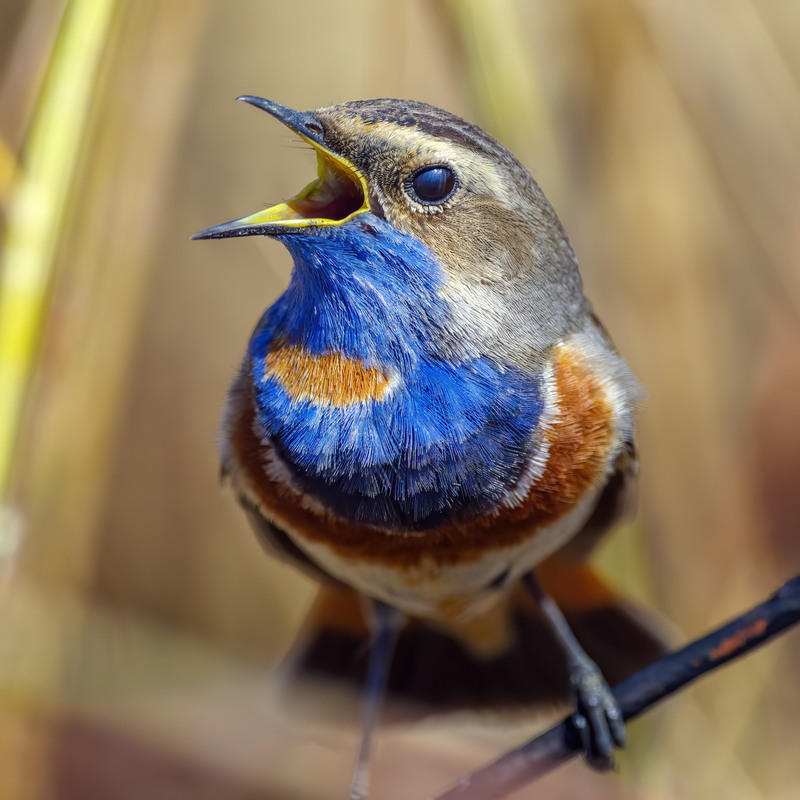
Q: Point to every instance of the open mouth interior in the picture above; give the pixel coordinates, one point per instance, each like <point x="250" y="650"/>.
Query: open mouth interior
<point x="335" y="195"/>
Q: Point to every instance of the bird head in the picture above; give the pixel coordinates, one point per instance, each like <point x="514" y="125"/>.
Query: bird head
<point x="505" y="261"/>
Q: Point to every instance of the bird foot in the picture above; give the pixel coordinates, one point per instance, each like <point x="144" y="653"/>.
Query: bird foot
<point x="597" y="722"/>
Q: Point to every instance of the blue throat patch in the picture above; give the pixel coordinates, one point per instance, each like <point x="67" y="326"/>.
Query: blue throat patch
<point x="453" y="432"/>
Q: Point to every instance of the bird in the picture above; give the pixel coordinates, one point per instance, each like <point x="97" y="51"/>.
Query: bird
<point x="433" y="423"/>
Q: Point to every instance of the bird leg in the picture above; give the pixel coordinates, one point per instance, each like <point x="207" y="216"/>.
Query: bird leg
<point x="597" y="721"/>
<point x="385" y="624"/>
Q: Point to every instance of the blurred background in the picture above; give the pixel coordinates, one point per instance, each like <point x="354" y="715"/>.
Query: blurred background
<point x="140" y="623"/>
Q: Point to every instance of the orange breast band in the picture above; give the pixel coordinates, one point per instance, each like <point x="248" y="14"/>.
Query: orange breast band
<point x="331" y="378"/>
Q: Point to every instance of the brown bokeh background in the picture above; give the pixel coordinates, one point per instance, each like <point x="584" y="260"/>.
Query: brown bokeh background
<point x="139" y="621"/>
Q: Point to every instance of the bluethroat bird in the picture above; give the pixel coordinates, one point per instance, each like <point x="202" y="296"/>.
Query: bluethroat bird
<point x="432" y="421"/>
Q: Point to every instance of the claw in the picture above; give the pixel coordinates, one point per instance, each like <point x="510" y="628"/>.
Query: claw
<point x="616" y="725"/>
<point x="580" y="726"/>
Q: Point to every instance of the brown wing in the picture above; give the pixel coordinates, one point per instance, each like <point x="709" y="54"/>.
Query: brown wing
<point x="278" y="544"/>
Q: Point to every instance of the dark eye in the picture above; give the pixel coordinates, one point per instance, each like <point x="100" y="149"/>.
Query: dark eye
<point x="432" y="185"/>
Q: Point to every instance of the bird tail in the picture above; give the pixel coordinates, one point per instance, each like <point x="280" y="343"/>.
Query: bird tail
<point x="507" y="659"/>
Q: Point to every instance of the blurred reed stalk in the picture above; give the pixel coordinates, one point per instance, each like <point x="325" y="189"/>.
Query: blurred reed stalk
<point x="37" y="207"/>
<point x="38" y="191"/>
<point x="100" y="139"/>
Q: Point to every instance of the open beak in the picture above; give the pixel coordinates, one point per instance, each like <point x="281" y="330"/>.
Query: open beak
<point x="337" y="195"/>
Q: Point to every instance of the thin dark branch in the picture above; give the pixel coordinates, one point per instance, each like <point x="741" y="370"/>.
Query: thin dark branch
<point x="538" y="756"/>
